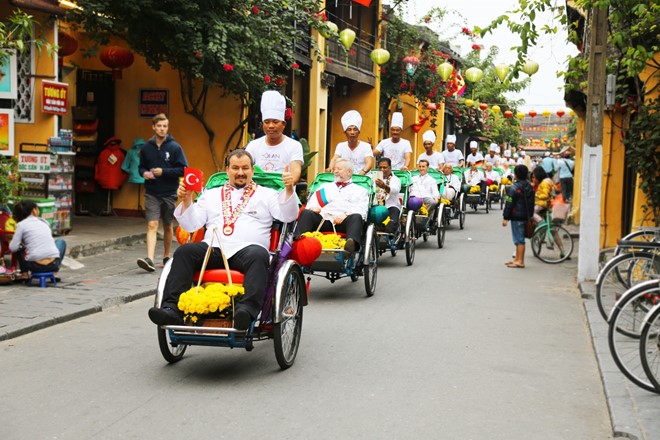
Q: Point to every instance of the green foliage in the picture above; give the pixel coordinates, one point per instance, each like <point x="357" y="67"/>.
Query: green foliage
<point x="17" y="32"/>
<point x="307" y="155"/>
<point x="10" y="185"/>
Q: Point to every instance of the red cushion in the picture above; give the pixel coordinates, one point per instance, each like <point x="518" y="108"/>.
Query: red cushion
<point x="220" y="276"/>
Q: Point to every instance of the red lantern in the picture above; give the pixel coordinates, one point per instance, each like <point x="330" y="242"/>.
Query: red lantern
<point x="116" y="58"/>
<point x="306" y="250"/>
<point x="508" y="114"/>
<point x="483" y="106"/>
<point x="532" y="113"/>
<point x="68" y="45"/>
<point x="560" y="113"/>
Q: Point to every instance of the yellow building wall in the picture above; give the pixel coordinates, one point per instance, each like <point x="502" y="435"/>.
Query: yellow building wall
<point x="365" y="100"/>
<point x="612" y="180"/>
<point x="318" y="107"/>
<point x="222" y="114"/>
<point x="44" y="124"/>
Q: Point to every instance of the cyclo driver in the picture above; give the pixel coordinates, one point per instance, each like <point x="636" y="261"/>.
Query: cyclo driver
<point x="241" y="213"/>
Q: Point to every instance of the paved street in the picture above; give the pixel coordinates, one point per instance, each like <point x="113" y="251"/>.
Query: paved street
<point x="457" y="346"/>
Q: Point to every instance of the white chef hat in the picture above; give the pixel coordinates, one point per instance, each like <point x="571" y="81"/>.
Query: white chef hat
<point x="474" y="144"/>
<point x="273" y="105"/>
<point x="451" y="139"/>
<point x="429" y="136"/>
<point x="397" y="120"/>
<point x="507" y="153"/>
<point x="351" y="117"/>
<point x="493" y="147"/>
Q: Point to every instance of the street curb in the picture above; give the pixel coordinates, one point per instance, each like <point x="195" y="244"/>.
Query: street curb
<point x="623" y="414"/>
<point x="99" y="247"/>
<point x="43" y="322"/>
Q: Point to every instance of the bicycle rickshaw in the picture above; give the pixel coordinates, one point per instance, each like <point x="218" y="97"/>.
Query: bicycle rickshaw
<point x="494" y="192"/>
<point x="332" y="264"/>
<point x="457" y="207"/>
<point x="282" y="311"/>
<point x="425" y="226"/>
<point x="404" y="236"/>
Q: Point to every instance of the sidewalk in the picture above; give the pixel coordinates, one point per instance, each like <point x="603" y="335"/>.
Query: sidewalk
<point x="107" y="248"/>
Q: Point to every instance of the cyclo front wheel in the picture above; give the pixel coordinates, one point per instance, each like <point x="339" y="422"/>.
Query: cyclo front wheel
<point x="552" y="245"/>
<point x="171" y="353"/>
<point x="287" y="332"/>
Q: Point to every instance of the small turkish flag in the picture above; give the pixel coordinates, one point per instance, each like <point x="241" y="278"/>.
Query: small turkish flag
<point x="193" y="179"/>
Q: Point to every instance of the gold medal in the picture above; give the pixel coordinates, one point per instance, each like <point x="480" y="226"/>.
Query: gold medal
<point x="230" y="215"/>
<point x="228" y="230"/>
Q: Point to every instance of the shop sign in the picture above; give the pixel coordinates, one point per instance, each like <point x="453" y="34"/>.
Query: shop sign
<point x="153" y="102"/>
<point x="54" y="97"/>
<point x="33" y="163"/>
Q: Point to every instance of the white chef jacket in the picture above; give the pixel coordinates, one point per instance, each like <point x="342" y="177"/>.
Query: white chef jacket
<point x="351" y="199"/>
<point x="395" y="151"/>
<point x="474" y="158"/>
<point x="473" y="177"/>
<point x="253" y="224"/>
<point x="495" y="160"/>
<point x="275" y="158"/>
<point x="493" y="175"/>
<point x="424" y="186"/>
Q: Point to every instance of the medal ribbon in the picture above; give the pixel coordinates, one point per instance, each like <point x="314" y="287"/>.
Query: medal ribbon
<point x="230" y="215"/>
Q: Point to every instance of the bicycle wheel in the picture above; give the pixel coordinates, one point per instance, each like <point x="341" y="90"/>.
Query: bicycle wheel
<point x="552" y="245"/>
<point x="625" y="326"/>
<point x="643" y="236"/>
<point x="610" y="286"/>
<point x="649" y="347"/>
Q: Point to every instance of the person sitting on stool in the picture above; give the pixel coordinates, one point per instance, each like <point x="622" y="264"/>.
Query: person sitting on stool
<point x="341" y="202"/>
<point x="33" y="241"/>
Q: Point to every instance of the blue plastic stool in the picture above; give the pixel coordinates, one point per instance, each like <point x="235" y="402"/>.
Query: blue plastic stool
<point x="43" y="277"/>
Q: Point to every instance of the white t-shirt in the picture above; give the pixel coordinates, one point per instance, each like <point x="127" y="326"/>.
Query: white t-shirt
<point x="475" y="158"/>
<point x="495" y="160"/>
<point x="395" y="152"/>
<point x="275" y="158"/>
<point x="434" y="159"/>
<point x="452" y="157"/>
<point x="357" y="156"/>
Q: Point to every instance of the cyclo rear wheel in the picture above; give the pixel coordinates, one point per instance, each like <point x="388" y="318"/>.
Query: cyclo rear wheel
<point x="441" y="226"/>
<point x="370" y="264"/>
<point x="287" y="332"/>
<point x="410" y="239"/>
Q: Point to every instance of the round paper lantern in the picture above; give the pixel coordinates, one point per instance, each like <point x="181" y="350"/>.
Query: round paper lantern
<point x="68" y="44"/>
<point x="502" y="70"/>
<point x="378" y="214"/>
<point x="444" y="70"/>
<point x="474" y="74"/>
<point x="330" y="29"/>
<point x="508" y="114"/>
<point x="410" y="63"/>
<point x="116" y="58"/>
<point x="532" y="113"/>
<point x="555" y="140"/>
<point x="414" y="203"/>
<point x="469" y="102"/>
<point x="530" y="67"/>
<point x="496" y="109"/>
<point x="183" y="236"/>
<point x="560" y="113"/>
<point x="306" y="250"/>
<point x="483" y="106"/>
<point x="521" y="115"/>
<point x="547" y="141"/>
<point x="546" y="113"/>
<point x="380" y="56"/>
<point x="347" y="37"/>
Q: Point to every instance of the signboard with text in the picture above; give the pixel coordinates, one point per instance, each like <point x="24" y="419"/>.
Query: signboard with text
<point x="153" y="102"/>
<point x="54" y="97"/>
<point x="33" y="163"/>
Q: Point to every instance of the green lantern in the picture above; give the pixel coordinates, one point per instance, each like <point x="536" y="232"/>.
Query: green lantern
<point x="502" y="70"/>
<point x="445" y="70"/>
<point x="530" y="67"/>
<point x="347" y="37"/>
<point x="329" y="30"/>
<point x="380" y="56"/>
<point x="474" y="74"/>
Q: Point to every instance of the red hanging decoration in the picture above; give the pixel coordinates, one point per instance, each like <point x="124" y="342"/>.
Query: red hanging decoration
<point x="508" y="114"/>
<point x="532" y="113"/>
<point x="68" y="44"/>
<point x="306" y="250"/>
<point x="116" y="58"/>
<point x="560" y="113"/>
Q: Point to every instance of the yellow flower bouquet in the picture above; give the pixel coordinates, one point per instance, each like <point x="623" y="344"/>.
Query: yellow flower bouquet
<point x="424" y="210"/>
<point x="445" y="201"/>
<point x="476" y="189"/>
<point x="494" y="187"/>
<point x="506" y="181"/>
<point x="210" y="300"/>
<point x="328" y="241"/>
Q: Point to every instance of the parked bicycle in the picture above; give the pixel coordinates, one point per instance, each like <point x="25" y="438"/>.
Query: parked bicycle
<point x="551" y="242"/>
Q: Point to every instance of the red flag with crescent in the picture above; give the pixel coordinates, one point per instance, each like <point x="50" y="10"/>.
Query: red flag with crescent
<point x="193" y="179"/>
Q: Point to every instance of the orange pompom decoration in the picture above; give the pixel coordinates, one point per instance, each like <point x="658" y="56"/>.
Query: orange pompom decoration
<point x="306" y="250"/>
<point x="183" y="236"/>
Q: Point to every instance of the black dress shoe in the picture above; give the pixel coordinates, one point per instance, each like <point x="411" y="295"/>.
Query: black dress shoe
<point x="165" y="316"/>
<point x="242" y="319"/>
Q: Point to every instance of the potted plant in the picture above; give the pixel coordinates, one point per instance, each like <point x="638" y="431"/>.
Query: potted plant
<point x="10" y="184"/>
